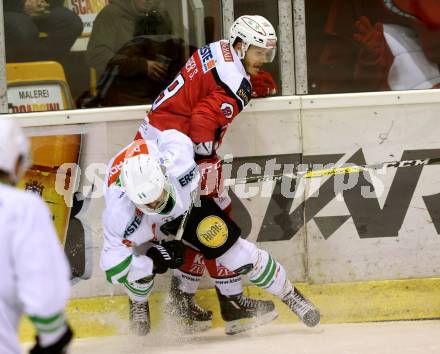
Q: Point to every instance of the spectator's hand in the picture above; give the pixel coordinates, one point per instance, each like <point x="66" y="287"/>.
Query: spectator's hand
<point x="156" y="70"/>
<point x="263" y="84"/>
<point x="371" y="38"/>
<point x="36" y="7"/>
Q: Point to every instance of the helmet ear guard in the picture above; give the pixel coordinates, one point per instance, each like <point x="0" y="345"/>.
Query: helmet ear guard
<point x="253" y="30"/>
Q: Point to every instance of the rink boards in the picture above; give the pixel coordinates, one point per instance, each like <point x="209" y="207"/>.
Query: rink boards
<point x="367" y="227"/>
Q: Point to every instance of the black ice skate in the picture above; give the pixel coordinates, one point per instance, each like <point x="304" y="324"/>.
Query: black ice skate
<point x="182" y="307"/>
<point x="303" y="308"/>
<point x="242" y="313"/>
<point x="140" y="323"/>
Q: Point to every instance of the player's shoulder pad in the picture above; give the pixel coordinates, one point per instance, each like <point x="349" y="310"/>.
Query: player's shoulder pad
<point x="178" y="157"/>
<point x="228" y="71"/>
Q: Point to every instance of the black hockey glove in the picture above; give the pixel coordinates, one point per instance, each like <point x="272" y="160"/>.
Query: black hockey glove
<point x="60" y="347"/>
<point x="169" y="254"/>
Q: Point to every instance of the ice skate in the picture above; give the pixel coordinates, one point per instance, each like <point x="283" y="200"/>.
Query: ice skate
<point x="182" y="307"/>
<point x="242" y="313"/>
<point x="303" y="308"/>
<point x="140" y="323"/>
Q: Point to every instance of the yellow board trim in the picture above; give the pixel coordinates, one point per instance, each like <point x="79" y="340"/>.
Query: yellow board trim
<point x="338" y="303"/>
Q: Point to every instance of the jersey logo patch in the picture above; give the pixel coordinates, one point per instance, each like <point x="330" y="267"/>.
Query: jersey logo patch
<point x="187" y="177"/>
<point x="244" y="91"/>
<point x="212" y="231"/>
<point x="207" y="58"/>
<point x="227" y="109"/>
<point x="133" y="226"/>
<point x="226" y="51"/>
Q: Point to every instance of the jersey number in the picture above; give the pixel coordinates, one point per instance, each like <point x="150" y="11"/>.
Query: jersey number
<point x="169" y="92"/>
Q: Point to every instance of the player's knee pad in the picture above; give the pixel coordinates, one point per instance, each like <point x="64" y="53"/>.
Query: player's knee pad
<point x="217" y="269"/>
<point x="139" y="290"/>
<point x="227" y="282"/>
<point x="241" y="257"/>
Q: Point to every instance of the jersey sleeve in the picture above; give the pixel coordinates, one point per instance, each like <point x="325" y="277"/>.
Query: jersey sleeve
<point x="178" y="154"/>
<point x="216" y="110"/>
<point x="42" y="271"/>
<point x="119" y="261"/>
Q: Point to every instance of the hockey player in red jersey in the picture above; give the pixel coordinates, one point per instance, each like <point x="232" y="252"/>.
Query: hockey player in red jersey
<point x="207" y="94"/>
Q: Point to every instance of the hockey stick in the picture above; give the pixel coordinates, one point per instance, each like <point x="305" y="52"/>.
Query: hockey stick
<point x="185" y="218"/>
<point x="310" y="173"/>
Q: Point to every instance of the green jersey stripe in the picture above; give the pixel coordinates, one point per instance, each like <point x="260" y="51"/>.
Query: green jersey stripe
<point x="119" y="270"/>
<point x="266" y="271"/>
<point x="46" y="320"/>
<point x="50" y="327"/>
<point x="269" y="277"/>
<point x="136" y="291"/>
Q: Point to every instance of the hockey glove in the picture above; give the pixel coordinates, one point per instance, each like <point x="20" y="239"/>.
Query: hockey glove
<point x="170" y="254"/>
<point x="59" y="347"/>
<point x="263" y="84"/>
<point x="211" y="176"/>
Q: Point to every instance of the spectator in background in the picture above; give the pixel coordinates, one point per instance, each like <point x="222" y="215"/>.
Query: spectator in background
<point x="381" y="45"/>
<point x="24" y="20"/>
<point x="115" y="26"/>
<point x="127" y="79"/>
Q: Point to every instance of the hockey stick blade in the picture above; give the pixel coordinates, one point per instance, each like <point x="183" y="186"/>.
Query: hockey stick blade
<point x="310" y="173"/>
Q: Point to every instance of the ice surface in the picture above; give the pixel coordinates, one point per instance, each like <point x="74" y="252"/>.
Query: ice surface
<point x="405" y="337"/>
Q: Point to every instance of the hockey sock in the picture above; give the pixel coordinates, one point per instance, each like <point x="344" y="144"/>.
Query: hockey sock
<point x="270" y="275"/>
<point x="138" y="290"/>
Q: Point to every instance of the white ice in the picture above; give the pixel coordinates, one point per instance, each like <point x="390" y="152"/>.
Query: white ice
<point x="405" y="337"/>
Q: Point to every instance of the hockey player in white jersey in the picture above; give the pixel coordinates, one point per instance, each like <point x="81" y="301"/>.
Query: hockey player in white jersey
<point x="150" y="187"/>
<point x="148" y="184"/>
<point x="35" y="275"/>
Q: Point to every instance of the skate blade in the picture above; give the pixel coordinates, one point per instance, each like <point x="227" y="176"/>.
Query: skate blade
<point x="245" y="324"/>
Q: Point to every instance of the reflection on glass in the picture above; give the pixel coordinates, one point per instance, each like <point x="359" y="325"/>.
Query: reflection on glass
<point x="267" y="81"/>
<point x="39" y="35"/>
<point x="140" y="64"/>
<point x="355" y="46"/>
<point x="39" y="30"/>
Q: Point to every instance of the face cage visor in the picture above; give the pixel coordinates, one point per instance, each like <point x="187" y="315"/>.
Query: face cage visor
<point x="270" y="54"/>
<point x="266" y="54"/>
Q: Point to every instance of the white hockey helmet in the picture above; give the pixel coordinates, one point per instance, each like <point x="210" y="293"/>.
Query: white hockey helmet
<point x="254" y="30"/>
<point x="13" y="146"/>
<point x="145" y="183"/>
